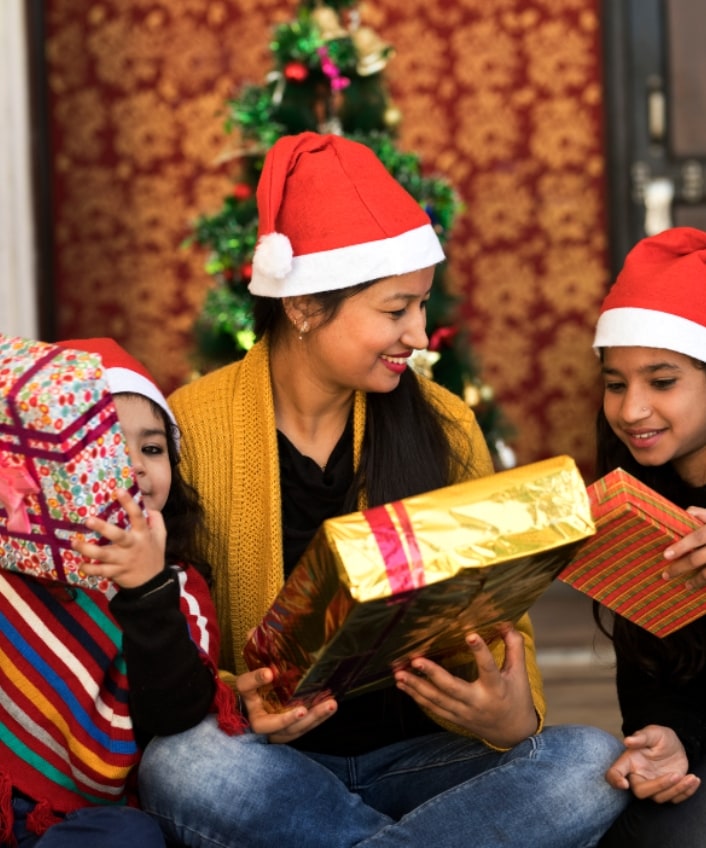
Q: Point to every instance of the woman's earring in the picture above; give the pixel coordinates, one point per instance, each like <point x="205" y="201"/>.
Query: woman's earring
<point x="303" y="328"/>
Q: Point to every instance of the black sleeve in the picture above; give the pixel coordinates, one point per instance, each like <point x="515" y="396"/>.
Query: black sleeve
<point x="656" y="698"/>
<point x="170" y="687"/>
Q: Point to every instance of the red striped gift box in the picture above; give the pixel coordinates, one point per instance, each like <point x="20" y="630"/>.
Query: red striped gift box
<point x="622" y="565"/>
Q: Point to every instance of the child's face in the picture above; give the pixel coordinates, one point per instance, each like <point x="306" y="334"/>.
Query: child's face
<point x="147" y="446"/>
<point x="655" y="401"/>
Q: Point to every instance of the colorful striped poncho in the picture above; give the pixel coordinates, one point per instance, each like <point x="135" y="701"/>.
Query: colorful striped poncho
<point x="66" y="733"/>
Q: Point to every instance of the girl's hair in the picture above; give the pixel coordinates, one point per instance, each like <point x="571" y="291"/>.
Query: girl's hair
<point x="406" y="448"/>
<point x="183" y="512"/>
<point x="681" y="652"/>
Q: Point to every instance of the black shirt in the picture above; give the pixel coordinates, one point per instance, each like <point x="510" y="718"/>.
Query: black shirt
<point x="310" y="495"/>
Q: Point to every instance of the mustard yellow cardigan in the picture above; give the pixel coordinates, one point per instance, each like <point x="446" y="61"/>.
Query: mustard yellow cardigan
<point x="229" y="454"/>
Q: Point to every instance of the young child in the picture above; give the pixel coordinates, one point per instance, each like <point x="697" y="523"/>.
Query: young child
<point x="85" y="682"/>
<point x="651" y="337"/>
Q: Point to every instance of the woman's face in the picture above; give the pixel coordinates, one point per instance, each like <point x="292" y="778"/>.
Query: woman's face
<point x="655" y="402"/>
<point x="366" y="346"/>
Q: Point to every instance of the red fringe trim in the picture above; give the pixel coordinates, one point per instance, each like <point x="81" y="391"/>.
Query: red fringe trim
<point x="7" y="817"/>
<point x="230" y="718"/>
<point x="42" y="818"/>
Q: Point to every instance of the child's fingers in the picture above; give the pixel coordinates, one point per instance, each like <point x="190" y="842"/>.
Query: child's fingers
<point x="89" y="550"/>
<point x="106" y="529"/>
<point x="129" y="504"/>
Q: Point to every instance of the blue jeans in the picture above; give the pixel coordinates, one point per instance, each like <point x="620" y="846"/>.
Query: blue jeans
<point x="210" y="790"/>
<point x="90" y="827"/>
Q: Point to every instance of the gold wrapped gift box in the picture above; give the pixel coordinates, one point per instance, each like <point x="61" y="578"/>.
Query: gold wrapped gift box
<point x="378" y="587"/>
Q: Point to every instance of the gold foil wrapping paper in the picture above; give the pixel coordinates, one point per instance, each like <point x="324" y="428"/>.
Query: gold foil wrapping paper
<point x="378" y="587"/>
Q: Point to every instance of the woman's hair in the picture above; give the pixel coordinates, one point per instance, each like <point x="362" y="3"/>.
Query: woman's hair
<point x="685" y="656"/>
<point x="406" y="449"/>
<point x="183" y="512"/>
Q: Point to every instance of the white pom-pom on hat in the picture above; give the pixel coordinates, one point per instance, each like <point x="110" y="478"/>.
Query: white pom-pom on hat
<point x="273" y="256"/>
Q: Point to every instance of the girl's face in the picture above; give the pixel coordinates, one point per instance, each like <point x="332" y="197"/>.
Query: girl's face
<point x="655" y="402"/>
<point x="147" y="445"/>
<point x="368" y="343"/>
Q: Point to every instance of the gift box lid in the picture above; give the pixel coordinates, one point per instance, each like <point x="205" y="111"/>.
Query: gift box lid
<point x="622" y="564"/>
<point x="62" y="455"/>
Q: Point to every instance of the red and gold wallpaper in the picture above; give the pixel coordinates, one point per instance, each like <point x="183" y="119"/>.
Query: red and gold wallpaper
<point x="502" y="97"/>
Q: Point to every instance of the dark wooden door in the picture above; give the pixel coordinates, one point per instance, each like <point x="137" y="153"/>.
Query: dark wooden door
<point x="655" y="117"/>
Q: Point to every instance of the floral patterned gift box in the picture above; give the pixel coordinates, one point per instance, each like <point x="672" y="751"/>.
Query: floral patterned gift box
<point x="62" y="455"/>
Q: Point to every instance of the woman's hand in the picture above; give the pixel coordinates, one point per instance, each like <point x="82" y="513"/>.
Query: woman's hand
<point x="279" y="727"/>
<point x="497" y="706"/>
<point x="654" y="765"/>
<point x="135" y="555"/>
<point x="688" y="555"/>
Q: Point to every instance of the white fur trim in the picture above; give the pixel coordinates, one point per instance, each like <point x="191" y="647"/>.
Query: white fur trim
<point x="125" y="380"/>
<point x="357" y="263"/>
<point x="634" y="327"/>
<point x="273" y="256"/>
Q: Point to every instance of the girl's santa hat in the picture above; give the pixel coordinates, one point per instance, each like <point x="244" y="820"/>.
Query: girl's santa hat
<point x="659" y="297"/>
<point x="331" y="216"/>
<point x="123" y="372"/>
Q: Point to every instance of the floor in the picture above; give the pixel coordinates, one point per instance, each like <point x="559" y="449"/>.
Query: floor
<point x="576" y="661"/>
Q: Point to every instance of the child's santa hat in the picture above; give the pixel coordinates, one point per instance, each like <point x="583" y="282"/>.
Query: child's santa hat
<point x="123" y="372"/>
<point x="659" y="297"/>
<point x="330" y="216"/>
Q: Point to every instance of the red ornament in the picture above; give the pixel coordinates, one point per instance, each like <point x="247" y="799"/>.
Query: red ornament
<point x="242" y="191"/>
<point x="442" y="337"/>
<point x="296" y="71"/>
<point x="246" y="271"/>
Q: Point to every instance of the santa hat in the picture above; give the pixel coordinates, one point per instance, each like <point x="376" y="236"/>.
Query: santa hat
<point x="123" y="372"/>
<point x="330" y="216"/>
<point x="659" y="297"/>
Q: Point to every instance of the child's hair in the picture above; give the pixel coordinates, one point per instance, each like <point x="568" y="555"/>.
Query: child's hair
<point x="183" y="512"/>
<point x="406" y="448"/>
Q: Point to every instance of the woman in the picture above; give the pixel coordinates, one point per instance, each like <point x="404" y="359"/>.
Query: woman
<point x="322" y="417"/>
<point x="651" y="336"/>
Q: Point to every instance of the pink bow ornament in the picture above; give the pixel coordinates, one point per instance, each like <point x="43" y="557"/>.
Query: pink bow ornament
<point x="15" y="483"/>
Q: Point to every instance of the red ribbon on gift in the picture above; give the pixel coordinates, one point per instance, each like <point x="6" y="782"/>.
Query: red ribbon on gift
<point x="405" y="568"/>
<point x="15" y="483"/>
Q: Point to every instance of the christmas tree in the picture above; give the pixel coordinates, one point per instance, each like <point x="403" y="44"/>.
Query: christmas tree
<point x="328" y="77"/>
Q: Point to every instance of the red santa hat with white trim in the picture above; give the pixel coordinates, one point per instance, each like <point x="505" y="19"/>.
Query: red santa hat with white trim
<point x="123" y="372"/>
<point x="659" y="297"/>
<point x="331" y="216"/>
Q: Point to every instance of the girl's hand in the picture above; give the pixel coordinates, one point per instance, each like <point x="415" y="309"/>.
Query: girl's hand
<point x="688" y="555"/>
<point x="497" y="706"/>
<point x="135" y="555"/>
<point x="654" y="765"/>
<point x="278" y="727"/>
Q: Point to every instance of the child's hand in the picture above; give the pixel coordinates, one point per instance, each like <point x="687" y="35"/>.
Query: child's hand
<point x="687" y="557"/>
<point x="654" y="765"/>
<point x="134" y="556"/>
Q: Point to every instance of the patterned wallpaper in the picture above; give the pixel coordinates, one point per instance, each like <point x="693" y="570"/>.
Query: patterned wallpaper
<point x="503" y="97"/>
